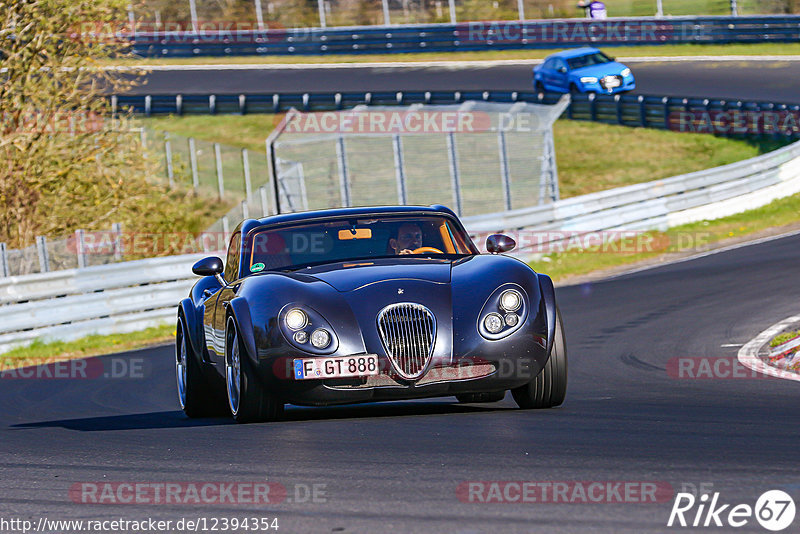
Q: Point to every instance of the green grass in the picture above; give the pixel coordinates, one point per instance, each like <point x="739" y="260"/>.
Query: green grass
<point x="680" y="239"/>
<point x="41" y="353"/>
<point x="658" y="154"/>
<point x="783" y="338"/>
<point x="754" y="49"/>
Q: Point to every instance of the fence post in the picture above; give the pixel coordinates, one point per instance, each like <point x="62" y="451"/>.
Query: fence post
<point x="344" y="179"/>
<point x="226" y="229"/>
<point x="245" y="210"/>
<point x="248" y="187"/>
<point x="521" y="9"/>
<point x="41" y="248"/>
<point x="193" y="163"/>
<point x="455" y="180"/>
<point x="321" y="7"/>
<point x="218" y="159"/>
<point x="504" y="172"/>
<point x="4" y="271"/>
<point x="262" y="191"/>
<point x="80" y="245"/>
<point x="116" y="229"/>
<point x="385" y="12"/>
<point x="399" y="170"/>
<point x="168" y="151"/>
<point x="259" y="15"/>
<point x="452" y="11"/>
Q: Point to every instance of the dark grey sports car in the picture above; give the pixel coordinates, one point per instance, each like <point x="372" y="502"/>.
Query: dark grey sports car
<point x="365" y="304"/>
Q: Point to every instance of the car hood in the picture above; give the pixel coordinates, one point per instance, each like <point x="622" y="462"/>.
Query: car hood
<point x="600" y="70"/>
<point x="349" y="276"/>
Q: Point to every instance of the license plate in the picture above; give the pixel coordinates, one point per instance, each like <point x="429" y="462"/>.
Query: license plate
<point x="347" y="366"/>
<point x="612" y="82"/>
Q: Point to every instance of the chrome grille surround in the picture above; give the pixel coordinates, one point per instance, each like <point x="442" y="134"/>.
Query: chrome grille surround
<point x="408" y="333"/>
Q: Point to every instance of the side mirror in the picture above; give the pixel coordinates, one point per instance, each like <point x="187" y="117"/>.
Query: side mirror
<point x="499" y="243"/>
<point x="210" y="266"/>
<point x="562" y="70"/>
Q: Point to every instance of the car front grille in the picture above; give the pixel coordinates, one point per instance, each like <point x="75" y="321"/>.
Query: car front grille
<point x="407" y="331"/>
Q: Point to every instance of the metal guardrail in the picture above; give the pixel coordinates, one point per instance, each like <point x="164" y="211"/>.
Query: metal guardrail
<point x="704" y="115"/>
<point x="134" y="295"/>
<point x="469" y="36"/>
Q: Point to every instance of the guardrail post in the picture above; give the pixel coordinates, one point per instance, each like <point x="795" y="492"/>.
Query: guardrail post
<point x="344" y="179"/>
<point x="455" y="179"/>
<point x="148" y="105"/>
<point x="593" y="107"/>
<point x="4" y="271"/>
<point x="642" y="112"/>
<point x="44" y="258"/>
<point x="399" y="170"/>
<point x="665" y="101"/>
<point x="116" y="229"/>
<point x="193" y="163"/>
<point x="248" y="188"/>
<point x="179" y="104"/>
<point x="80" y="245"/>
<point x="504" y="172"/>
<point x="242" y="104"/>
<point x="212" y="104"/>
<point x="618" y="101"/>
<point x="276" y="99"/>
<point x="168" y="152"/>
<point x="218" y="160"/>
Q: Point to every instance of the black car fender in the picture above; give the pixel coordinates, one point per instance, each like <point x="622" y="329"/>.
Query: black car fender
<point x="194" y="325"/>
<point x="240" y="311"/>
<point x="549" y="298"/>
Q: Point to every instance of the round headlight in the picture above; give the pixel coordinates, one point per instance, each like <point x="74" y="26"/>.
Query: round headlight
<point x="493" y="323"/>
<point x="320" y="338"/>
<point x="300" y="337"/>
<point x="296" y="319"/>
<point x="510" y="300"/>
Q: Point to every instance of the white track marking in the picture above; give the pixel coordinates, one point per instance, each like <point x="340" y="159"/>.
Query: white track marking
<point x="731" y="345"/>
<point x="748" y="354"/>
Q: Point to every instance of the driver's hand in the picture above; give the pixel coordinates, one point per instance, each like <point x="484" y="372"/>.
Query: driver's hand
<point x="406" y="251"/>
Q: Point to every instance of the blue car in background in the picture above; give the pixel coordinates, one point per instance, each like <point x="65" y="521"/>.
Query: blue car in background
<point x="582" y="70"/>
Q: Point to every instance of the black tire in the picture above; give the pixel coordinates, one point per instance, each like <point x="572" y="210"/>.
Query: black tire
<point x="549" y="387"/>
<point x="539" y="86"/>
<point x="252" y="403"/>
<point x="573" y="89"/>
<point x="494" y="396"/>
<point x="195" y="395"/>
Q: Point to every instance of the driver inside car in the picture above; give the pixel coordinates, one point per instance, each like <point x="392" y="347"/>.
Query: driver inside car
<point x="409" y="238"/>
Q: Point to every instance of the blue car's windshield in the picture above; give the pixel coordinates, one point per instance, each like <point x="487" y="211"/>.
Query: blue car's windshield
<point x="304" y="244"/>
<point x="595" y="58"/>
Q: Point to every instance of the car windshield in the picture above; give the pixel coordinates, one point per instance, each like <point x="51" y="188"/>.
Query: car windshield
<point x="314" y="243"/>
<point x="595" y="58"/>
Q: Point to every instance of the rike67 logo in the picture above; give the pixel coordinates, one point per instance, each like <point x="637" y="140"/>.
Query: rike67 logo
<point x="774" y="510"/>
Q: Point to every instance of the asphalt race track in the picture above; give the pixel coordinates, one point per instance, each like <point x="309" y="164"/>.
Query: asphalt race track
<point x="753" y="80"/>
<point x="395" y="467"/>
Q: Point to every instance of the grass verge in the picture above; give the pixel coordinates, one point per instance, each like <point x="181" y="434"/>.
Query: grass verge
<point x="41" y="353"/>
<point x="783" y="338"/>
<point x="755" y="49"/>
<point x="680" y="240"/>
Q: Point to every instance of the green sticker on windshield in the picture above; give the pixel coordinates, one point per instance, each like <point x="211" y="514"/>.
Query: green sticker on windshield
<point x="257" y="267"/>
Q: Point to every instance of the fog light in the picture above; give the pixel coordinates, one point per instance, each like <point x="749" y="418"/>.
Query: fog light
<point x="512" y="319"/>
<point x="296" y="319"/>
<point x="300" y="337"/>
<point x="320" y="338"/>
<point x="493" y="323"/>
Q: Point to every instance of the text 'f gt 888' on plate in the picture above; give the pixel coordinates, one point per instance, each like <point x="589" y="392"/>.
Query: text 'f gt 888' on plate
<point x="365" y="304"/>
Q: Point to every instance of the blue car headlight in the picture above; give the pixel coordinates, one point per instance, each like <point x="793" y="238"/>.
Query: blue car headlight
<point x="588" y="79"/>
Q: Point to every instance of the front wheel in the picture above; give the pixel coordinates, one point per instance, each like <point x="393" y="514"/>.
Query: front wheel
<point x="196" y="397"/>
<point x="248" y="399"/>
<point x="549" y="387"/>
<point x="539" y="86"/>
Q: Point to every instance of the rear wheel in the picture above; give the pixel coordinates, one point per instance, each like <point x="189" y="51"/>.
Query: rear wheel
<point x="549" y="387"/>
<point x="495" y="396"/>
<point x="196" y="397"/>
<point x="248" y="399"/>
